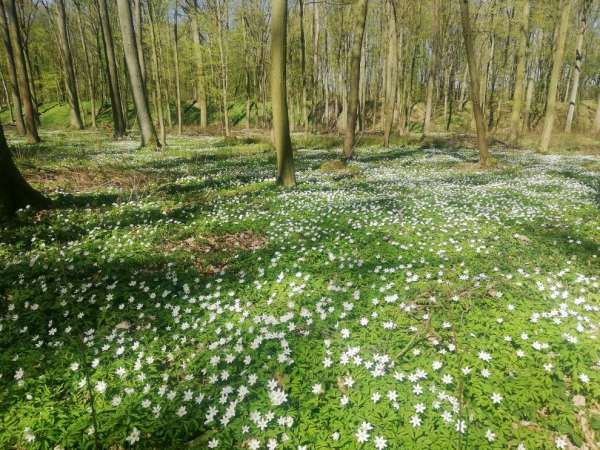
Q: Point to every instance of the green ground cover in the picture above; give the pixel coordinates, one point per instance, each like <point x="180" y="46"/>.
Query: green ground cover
<point x="178" y="299"/>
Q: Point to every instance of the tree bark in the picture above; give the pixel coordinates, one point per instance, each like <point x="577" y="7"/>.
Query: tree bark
<point x="200" y="83"/>
<point x="360" y="19"/>
<point x="14" y="32"/>
<point x="281" y="126"/>
<point x="69" y="70"/>
<point x="138" y="23"/>
<point x="176" y="63"/>
<point x="157" y="92"/>
<point x="138" y="87"/>
<point x="515" y="119"/>
<point x="577" y="68"/>
<point x="12" y="74"/>
<point x="111" y="71"/>
<point x="15" y="192"/>
<point x="474" y="76"/>
<point x="597" y="119"/>
<point x="391" y="85"/>
<point x="88" y="68"/>
<point x="557" y="62"/>
<point x="223" y="57"/>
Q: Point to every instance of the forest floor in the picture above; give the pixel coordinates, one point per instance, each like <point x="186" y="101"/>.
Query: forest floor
<point x="179" y="299"/>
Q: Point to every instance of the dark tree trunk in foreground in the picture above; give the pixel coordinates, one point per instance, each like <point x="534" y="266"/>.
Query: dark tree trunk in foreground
<point x="281" y="124"/>
<point x="360" y="18"/>
<point x="15" y="192"/>
<point x="70" y="82"/>
<point x="112" y="72"/>
<point x="14" y="32"/>
<point x="465" y="15"/>
<point x="138" y="87"/>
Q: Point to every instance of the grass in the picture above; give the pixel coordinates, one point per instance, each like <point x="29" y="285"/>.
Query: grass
<point x="178" y="299"/>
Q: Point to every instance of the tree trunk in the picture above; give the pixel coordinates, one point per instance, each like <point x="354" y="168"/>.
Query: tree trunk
<point x="176" y="63"/>
<point x="21" y="69"/>
<point x="577" y="68"/>
<point x="224" y="69"/>
<point x="537" y="42"/>
<point x="360" y="18"/>
<point x="157" y="93"/>
<point x="391" y="85"/>
<point x="201" y="83"/>
<point x="88" y="68"/>
<point x="138" y="23"/>
<point x="474" y="76"/>
<point x="111" y="71"/>
<point x="70" y="82"/>
<point x="138" y="87"/>
<point x="281" y="127"/>
<point x="15" y="192"/>
<point x="515" y="119"/>
<point x="557" y="62"/>
<point x="12" y="74"/>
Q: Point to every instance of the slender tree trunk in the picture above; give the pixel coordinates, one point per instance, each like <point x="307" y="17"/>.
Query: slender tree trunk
<point x="281" y="127"/>
<point x="515" y="119"/>
<point x="224" y="68"/>
<point x="201" y="83"/>
<point x="433" y="68"/>
<point x="12" y="74"/>
<point x="138" y="24"/>
<point x="465" y="14"/>
<point x="70" y="83"/>
<point x="15" y="192"/>
<point x="88" y="68"/>
<point x="557" y="62"/>
<point x="391" y="85"/>
<point x="158" y="92"/>
<point x="176" y="62"/>
<point x="111" y="71"/>
<point x="22" y="73"/>
<point x="138" y="88"/>
<point x="577" y="68"/>
<point x="360" y="18"/>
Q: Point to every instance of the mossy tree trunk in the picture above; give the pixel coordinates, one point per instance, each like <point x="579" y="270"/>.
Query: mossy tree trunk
<point x="360" y="19"/>
<point x="15" y="192"/>
<point x="112" y="72"/>
<point x="516" y="121"/>
<point x="281" y="126"/>
<point x="68" y="68"/>
<point x="474" y="76"/>
<point x="14" y="32"/>
<point x="557" y="63"/>
<point x="12" y="74"/>
<point x="134" y="70"/>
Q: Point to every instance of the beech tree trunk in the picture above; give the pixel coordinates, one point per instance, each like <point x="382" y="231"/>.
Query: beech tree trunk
<point x="597" y="120"/>
<point x="70" y="82"/>
<point x="88" y="68"/>
<point x="12" y="74"/>
<point x="557" y="62"/>
<point x="14" y="32"/>
<point x="515" y="119"/>
<point x="391" y="85"/>
<point x="200" y="83"/>
<point x="15" y="192"/>
<point x="138" y="87"/>
<point x="360" y="19"/>
<point x="577" y="68"/>
<point x="281" y="126"/>
<point x="176" y="61"/>
<point x="111" y="71"/>
<point x="474" y="76"/>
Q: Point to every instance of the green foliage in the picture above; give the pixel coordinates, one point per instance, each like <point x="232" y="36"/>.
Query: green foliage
<point x="157" y="262"/>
